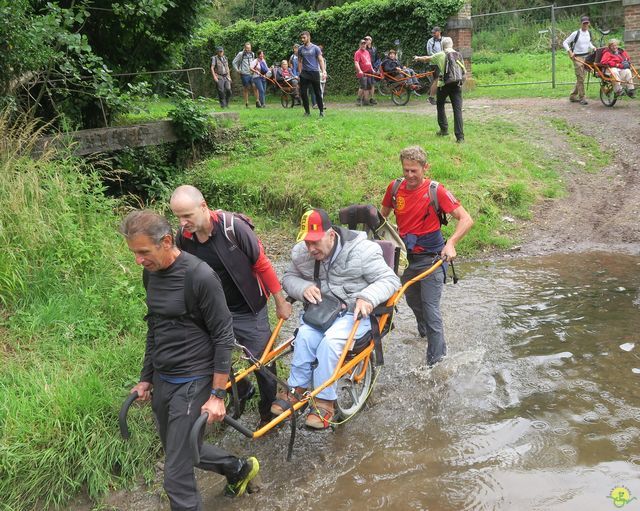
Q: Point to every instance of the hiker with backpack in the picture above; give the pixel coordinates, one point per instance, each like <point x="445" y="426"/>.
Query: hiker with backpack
<point x="578" y="44"/>
<point x="187" y="357"/>
<point x="420" y="206"/>
<point x="221" y="76"/>
<point x="451" y="76"/>
<point x="226" y="242"/>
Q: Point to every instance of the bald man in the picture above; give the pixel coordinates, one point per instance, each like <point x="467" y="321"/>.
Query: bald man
<point x="227" y="243"/>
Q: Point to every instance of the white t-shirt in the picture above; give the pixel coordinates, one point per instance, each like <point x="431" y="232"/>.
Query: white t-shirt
<point x="583" y="44"/>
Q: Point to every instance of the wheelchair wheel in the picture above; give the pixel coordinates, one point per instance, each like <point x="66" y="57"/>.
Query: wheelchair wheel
<point x="607" y="94"/>
<point x="400" y="95"/>
<point x="286" y="100"/>
<point x="383" y="87"/>
<point x="353" y="395"/>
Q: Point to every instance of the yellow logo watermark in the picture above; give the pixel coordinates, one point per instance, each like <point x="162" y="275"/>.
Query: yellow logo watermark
<point x="620" y="496"/>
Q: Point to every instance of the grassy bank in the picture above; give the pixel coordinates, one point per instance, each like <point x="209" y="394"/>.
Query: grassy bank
<point x="71" y="333"/>
<point x="287" y="163"/>
<point x="71" y="301"/>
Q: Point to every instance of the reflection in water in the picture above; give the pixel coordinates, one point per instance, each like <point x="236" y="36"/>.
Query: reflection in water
<point x="536" y="407"/>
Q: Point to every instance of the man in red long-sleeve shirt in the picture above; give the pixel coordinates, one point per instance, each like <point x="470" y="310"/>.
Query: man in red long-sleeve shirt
<point x="228" y="244"/>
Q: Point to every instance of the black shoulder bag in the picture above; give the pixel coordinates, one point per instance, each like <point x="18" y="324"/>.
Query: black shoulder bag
<point x="322" y="315"/>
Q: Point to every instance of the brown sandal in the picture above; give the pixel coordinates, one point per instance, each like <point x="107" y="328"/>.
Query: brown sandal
<point x="316" y="421"/>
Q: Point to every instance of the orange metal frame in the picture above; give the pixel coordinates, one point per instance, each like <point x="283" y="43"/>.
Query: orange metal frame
<point x="272" y="353"/>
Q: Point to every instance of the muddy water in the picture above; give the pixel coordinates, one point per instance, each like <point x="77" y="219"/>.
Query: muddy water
<point x="537" y="406"/>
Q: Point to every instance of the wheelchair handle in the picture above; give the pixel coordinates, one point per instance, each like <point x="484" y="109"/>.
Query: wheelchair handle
<point x="200" y="423"/>
<point x="122" y="416"/>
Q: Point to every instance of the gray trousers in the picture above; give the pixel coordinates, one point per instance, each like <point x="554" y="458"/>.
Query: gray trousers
<point x="224" y="90"/>
<point x="253" y="332"/>
<point x="424" y="299"/>
<point x="176" y="407"/>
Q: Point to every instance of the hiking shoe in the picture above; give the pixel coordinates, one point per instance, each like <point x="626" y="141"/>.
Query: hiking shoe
<point x="359" y="102"/>
<point x="441" y="133"/>
<point x="584" y="102"/>
<point x="432" y="100"/>
<point x="258" y="105"/>
<point x="320" y="418"/>
<point x="574" y="100"/>
<point x="373" y="102"/>
<point x="249" y="470"/>
<point x="321" y="113"/>
<point x="460" y="140"/>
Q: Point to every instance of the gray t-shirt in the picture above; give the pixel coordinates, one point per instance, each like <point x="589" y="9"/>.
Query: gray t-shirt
<point x="309" y="55"/>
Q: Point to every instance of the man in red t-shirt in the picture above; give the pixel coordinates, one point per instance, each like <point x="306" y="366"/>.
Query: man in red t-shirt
<point x="419" y="228"/>
<point x="362" y="62"/>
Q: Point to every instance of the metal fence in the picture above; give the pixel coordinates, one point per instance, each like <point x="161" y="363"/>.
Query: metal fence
<point x="502" y="39"/>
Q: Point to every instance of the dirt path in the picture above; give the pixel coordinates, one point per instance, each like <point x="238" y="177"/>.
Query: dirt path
<point x="601" y="210"/>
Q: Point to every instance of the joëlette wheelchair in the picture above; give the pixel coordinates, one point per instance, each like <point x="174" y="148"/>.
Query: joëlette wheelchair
<point x="592" y="64"/>
<point x="355" y="373"/>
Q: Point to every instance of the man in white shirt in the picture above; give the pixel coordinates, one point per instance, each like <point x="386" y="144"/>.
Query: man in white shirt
<point x="578" y="44"/>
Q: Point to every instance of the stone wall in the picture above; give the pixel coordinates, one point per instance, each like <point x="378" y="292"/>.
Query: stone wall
<point x="115" y="139"/>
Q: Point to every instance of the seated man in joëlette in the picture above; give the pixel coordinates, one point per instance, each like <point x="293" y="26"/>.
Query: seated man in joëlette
<point x="330" y="264"/>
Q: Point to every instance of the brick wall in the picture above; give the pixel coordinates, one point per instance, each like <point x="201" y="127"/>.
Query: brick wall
<point x="459" y="28"/>
<point x="632" y="29"/>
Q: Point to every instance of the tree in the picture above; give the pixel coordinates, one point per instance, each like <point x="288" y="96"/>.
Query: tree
<point x="59" y="58"/>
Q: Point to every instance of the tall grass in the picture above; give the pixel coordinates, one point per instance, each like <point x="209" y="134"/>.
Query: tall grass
<point x="71" y="338"/>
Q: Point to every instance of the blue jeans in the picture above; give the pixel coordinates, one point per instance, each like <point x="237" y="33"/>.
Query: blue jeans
<point x="326" y="347"/>
<point x="424" y="299"/>
<point x="261" y="85"/>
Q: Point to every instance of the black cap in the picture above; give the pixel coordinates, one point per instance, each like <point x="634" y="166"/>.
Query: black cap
<point x="219" y="48"/>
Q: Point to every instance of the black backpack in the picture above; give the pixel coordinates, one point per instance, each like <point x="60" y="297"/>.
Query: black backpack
<point x="454" y="70"/>
<point x="572" y="44"/>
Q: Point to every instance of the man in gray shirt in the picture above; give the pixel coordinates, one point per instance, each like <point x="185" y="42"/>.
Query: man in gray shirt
<point x="311" y="70"/>
<point x="221" y="76"/>
<point x="434" y="45"/>
<point x="187" y="357"/>
<point x="242" y="64"/>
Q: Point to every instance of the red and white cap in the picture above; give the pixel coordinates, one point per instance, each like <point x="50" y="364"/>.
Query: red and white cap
<point x="314" y="224"/>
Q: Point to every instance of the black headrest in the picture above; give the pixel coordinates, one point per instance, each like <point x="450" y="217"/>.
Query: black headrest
<point x="355" y="214"/>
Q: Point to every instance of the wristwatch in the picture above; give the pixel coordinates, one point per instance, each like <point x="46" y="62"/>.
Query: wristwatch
<point x="219" y="393"/>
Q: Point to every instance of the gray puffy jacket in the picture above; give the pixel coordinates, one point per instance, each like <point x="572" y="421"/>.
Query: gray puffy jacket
<point x="358" y="271"/>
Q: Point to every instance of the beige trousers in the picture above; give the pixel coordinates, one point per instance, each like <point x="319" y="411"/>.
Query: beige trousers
<point x="578" y="90"/>
<point x="623" y="78"/>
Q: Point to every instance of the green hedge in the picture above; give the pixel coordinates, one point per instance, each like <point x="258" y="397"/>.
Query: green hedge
<point x="338" y="29"/>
